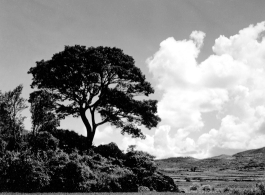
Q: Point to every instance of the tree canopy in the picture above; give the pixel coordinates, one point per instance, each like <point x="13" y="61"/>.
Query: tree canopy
<point x="103" y="80"/>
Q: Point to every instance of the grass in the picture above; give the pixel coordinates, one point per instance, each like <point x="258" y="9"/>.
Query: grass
<point x="216" y="178"/>
<point x="108" y="193"/>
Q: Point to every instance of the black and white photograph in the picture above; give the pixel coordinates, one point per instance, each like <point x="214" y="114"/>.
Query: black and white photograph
<point x="132" y="97"/>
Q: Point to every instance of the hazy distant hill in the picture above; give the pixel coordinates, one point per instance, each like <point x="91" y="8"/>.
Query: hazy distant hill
<point x="256" y="153"/>
<point x="250" y="159"/>
<point x="223" y="156"/>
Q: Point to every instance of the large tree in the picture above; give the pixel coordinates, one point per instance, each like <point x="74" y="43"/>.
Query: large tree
<point x="99" y="80"/>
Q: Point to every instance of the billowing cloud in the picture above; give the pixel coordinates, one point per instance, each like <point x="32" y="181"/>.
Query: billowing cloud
<point x="230" y="82"/>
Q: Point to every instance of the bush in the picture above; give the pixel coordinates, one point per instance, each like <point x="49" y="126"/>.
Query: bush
<point x="187" y="179"/>
<point x="57" y="162"/>
<point x="160" y="183"/>
<point x="107" y="183"/>
<point x="206" y="188"/>
<point x="226" y="190"/>
<point x="70" y="173"/>
<point x="23" y="173"/>
<point x="117" y="179"/>
<point x="141" y="163"/>
<point x="194" y="186"/>
<point x="44" y="141"/>
<point x="69" y="141"/>
<point x="109" y="150"/>
<point x="77" y="177"/>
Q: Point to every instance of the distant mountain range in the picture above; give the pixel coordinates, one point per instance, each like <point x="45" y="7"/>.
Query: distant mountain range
<point x="247" y="160"/>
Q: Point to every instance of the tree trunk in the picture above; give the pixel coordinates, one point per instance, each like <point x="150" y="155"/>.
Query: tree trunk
<point x="90" y="131"/>
<point x="90" y="138"/>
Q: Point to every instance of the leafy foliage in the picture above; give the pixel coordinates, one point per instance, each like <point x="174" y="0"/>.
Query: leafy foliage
<point x="11" y="120"/>
<point x="109" y="150"/>
<point x="100" y="80"/>
<point x="69" y="140"/>
<point x="141" y="163"/>
<point x="42" y="111"/>
<point x="23" y="173"/>
<point x="47" y="168"/>
<point x="44" y="141"/>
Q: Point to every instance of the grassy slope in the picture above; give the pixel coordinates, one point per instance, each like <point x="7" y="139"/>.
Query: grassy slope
<point x="243" y="160"/>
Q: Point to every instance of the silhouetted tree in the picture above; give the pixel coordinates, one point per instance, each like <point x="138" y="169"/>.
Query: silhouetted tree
<point x="99" y="80"/>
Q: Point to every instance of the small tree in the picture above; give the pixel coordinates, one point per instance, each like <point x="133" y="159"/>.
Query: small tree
<point x="42" y="107"/>
<point x="11" y="120"/>
<point x="131" y="148"/>
<point x="99" y="80"/>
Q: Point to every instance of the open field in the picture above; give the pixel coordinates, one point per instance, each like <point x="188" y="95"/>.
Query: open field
<point x="242" y="170"/>
<point x="218" y="179"/>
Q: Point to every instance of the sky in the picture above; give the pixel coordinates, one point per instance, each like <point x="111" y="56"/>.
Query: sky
<point x="205" y="59"/>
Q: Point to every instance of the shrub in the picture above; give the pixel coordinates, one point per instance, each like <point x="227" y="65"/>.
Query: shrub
<point x="160" y="183"/>
<point x="57" y="162"/>
<point x="226" y="190"/>
<point x="182" y="190"/>
<point x="70" y="173"/>
<point x="77" y="177"/>
<point x="106" y="183"/>
<point x="118" y="179"/>
<point x="129" y="182"/>
<point x="109" y="150"/>
<point x="23" y="173"/>
<point x="206" y="188"/>
<point x="44" y="141"/>
<point x="194" y="186"/>
<point x="69" y="141"/>
<point x="187" y="179"/>
<point x="141" y="163"/>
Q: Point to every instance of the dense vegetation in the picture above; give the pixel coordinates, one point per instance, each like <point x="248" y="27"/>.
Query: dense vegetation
<point x="48" y="159"/>
<point x="57" y="160"/>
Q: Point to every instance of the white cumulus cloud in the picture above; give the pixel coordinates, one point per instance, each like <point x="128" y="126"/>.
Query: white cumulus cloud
<point x="230" y="82"/>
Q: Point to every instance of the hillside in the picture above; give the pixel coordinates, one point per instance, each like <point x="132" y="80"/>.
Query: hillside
<point x="223" y="156"/>
<point x="255" y="153"/>
<point x="246" y="160"/>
